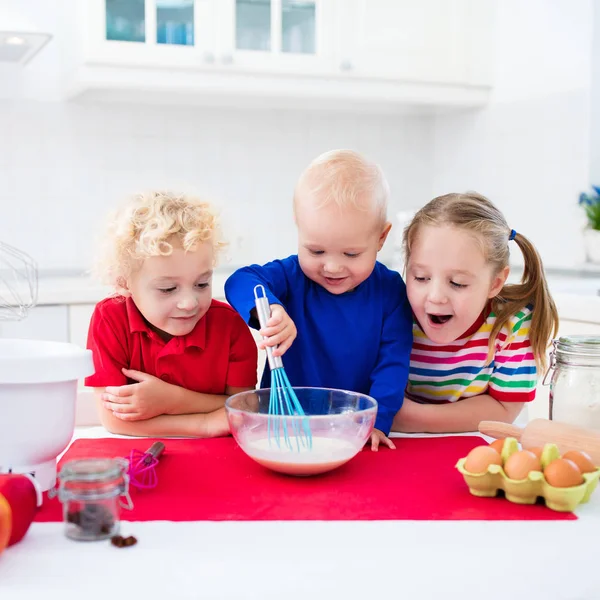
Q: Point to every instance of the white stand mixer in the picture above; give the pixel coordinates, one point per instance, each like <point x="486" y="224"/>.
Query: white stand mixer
<point x="38" y="381"/>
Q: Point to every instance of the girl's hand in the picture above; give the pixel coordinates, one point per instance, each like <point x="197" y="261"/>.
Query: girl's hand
<point x="378" y="437"/>
<point x="137" y="401"/>
<point x="280" y="331"/>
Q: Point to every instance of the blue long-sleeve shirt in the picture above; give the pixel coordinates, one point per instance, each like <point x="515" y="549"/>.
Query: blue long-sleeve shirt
<point x="358" y="341"/>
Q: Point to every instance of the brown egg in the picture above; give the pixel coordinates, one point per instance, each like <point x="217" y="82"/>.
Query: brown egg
<point x="537" y="451"/>
<point x="497" y="445"/>
<point x="519" y="464"/>
<point x="480" y="458"/>
<point x="582" y="459"/>
<point x="563" y="473"/>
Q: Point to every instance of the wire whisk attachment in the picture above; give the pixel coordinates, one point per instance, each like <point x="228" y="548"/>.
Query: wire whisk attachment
<point x="142" y="466"/>
<point x="18" y="283"/>
<point x="283" y="402"/>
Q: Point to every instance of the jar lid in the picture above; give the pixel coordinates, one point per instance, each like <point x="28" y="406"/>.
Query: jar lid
<point x="579" y="344"/>
<point x="97" y="470"/>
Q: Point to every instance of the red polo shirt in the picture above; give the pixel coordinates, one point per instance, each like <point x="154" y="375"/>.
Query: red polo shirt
<point x="219" y="352"/>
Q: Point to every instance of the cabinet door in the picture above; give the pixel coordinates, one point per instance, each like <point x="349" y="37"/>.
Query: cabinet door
<point x="152" y="33"/>
<point x="428" y="41"/>
<point x="47" y="323"/>
<point x="295" y="36"/>
<point x="79" y="322"/>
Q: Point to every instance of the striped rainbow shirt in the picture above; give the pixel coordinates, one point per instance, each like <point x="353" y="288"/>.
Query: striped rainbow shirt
<point x="450" y="372"/>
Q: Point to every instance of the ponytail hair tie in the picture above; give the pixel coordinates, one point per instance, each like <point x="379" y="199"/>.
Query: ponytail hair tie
<point x="512" y="235"/>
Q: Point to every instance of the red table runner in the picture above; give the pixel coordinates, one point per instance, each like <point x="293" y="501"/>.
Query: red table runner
<point x="213" y="480"/>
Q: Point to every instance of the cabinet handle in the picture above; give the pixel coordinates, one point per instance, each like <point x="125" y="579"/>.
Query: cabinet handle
<point x="346" y="65"/>
<point x="209" y="57"/>
<point x="227" y="59"/>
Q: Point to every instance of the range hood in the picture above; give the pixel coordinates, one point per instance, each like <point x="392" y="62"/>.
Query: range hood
<point x="20" y="40"/>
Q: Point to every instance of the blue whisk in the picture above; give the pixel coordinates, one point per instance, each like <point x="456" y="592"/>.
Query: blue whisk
<point x="283" y="401"/>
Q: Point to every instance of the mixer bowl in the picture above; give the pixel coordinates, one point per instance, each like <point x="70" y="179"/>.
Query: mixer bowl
<point x="339" y="422"/>
<point x="38" y="394"/>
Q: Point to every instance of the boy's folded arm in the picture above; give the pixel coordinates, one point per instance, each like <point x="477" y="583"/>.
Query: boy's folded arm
<point x="209" y="424"/>
<point x="454" y="417"/>
<point x="186" y="401"/>
<point x="390" y="375"/>
<point x="239" y="288"/>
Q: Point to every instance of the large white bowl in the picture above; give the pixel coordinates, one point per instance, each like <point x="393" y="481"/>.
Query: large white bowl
<point x="336" y="426"/>
<point x="38" y="394"/>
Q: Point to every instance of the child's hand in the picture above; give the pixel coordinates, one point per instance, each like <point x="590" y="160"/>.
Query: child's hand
<point x="378" y="437"/>
<point x="280" y="330"/>
<point x="137" y="401"/>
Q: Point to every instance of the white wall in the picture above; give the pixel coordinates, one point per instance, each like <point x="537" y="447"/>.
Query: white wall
<point x="529" y="150"/>
<point x="595" y="101"/>
<point x="63" y="166"/>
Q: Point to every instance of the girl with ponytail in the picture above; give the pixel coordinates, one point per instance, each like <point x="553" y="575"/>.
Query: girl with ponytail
<point x="479" y="343"/>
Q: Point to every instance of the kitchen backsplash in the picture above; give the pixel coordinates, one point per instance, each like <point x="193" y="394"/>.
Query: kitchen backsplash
<point x="63" y="166"/>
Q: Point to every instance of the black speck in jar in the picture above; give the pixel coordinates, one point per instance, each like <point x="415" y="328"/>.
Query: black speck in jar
<point x="93" y="520"/>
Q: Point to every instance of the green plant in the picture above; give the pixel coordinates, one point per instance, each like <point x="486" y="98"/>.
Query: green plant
<point x="591" y="205"/>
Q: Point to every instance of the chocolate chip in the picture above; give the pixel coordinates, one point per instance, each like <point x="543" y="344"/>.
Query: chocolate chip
<point x="74" y="517"/>
<point x="92" y="520"/>
<point x="123" y="542"/>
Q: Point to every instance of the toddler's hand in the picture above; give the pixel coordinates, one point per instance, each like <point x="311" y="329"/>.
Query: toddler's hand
<point x="137" y="401"/>
<point x="378" y="437"/>
<point x="280" y="331"/>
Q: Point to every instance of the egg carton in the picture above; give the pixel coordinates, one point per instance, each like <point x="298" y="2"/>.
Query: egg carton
<point x="527" y="491"/>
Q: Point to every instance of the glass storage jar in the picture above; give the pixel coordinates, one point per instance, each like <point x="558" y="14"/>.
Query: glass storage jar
<point x="575" y="383"/>
<point x="90" y="491"/>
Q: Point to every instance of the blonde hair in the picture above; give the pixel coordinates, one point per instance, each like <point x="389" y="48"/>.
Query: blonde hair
<point x="151" y="224"/>
<point x="475" y="213"/>
<point x="346" y="179"/>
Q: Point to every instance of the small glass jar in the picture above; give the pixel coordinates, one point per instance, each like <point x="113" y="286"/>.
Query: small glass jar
<point x="575" y="383"/>
<point x="90" y="491"/>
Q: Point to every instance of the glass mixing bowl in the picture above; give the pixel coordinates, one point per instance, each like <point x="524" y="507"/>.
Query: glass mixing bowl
<point x="336" y="427"/>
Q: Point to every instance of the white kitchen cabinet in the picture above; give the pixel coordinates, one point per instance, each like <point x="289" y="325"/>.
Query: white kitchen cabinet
<point x="429" y="41"/>
<point x="56" y="323"/>
<point x="79" y="322"/>
<point x="48" y="323"/>
<point x="278" y="36"/>
<point x="215" y="35"/>
<point x="377" y="54"/>
<point x="128" y="33"/>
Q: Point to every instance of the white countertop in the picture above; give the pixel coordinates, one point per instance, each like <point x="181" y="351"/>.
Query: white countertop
<point x="553" y="560"/>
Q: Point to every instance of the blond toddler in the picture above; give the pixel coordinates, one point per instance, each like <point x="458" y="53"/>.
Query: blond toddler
<point x="167" y="355"/>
